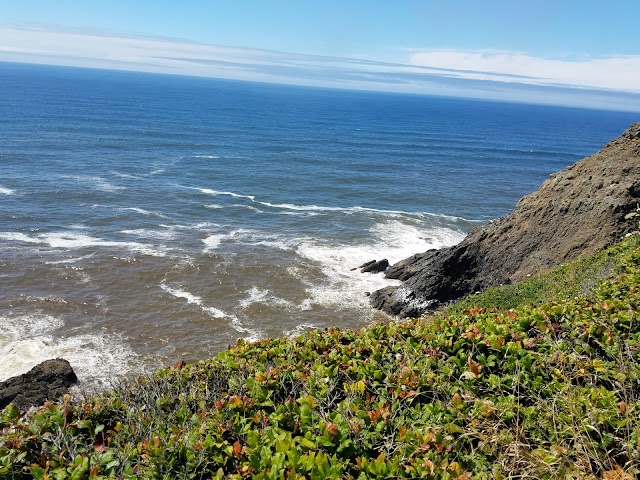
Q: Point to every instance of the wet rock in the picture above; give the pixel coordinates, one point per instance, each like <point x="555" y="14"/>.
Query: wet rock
<point x="47" y="381"/>
<point x="376" y="266"/>
<point x="576" y="212"/>
<point x="364" y="265"/>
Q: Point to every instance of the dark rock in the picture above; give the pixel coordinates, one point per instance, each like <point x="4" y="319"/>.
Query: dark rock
<point x="364" y="265"/>
<point x="376" y="267"/>
<point x="576" y="212"/>
<point x="49" y="380"/>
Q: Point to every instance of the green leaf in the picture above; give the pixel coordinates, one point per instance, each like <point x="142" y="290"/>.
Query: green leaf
<point x="305" y="442"/>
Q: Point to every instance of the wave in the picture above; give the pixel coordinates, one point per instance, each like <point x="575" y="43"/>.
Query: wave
<point x="70" y="260"/>
<point x="216" y="193"/>
<point x="73" y="241"/>
<point x="142" y="211"/>
<point x="345" y="288"/>
<point x="205" y="156"/>
<point x="321" y="208"/>
<point x="302" y="328"/>
<point x="155" y="234"/>
<point x="98" y="359"/>
<point x="18" y="237"/>
<point x="126" y="175"/>
<point x="249" y="333"/>
<point x="98" y="182"/>
<point x="246" y="236"/>
<point x="193" y="300"/>
<point x="255" y="295"/>
<point x="6" y="191"/>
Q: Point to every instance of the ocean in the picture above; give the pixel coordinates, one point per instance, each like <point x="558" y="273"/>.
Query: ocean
<point x="146" y="219"/>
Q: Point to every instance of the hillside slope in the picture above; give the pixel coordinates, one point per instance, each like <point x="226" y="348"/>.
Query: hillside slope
<point x="577" y="212"/>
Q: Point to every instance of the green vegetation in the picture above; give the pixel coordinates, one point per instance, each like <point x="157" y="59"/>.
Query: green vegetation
<point x="569" y="280"/>
<point x="476" y="391"/>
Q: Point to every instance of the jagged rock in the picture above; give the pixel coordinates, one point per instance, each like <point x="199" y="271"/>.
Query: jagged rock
<point x="49" y="380"/>
<point x="376" y="266"/>
<point x="577" y="212"/>
<point x="364" y="265"/>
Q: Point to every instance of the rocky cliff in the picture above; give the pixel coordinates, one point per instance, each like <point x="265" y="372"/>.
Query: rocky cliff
<point x="577" y="212"/>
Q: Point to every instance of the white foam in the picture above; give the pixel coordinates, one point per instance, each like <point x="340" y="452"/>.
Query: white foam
<point x="248" y="207"/>
<point x="99" y="183"/>
<point x="18" y="237"/>
<point x="70" y="260"/>
<point x="97" y="359"/>
<point x="192" y="299"/>
<point x="213" y="241"/>
<point x="217" y="193"/>
<point x="194" y="226"/>
<point x="315" y="209"/>
<point x="255" y="295"/>
<point x="71" y="241"/>
<point x="147" y="233"/>
<point x="249" y="334"/>
<point x="126" y="175"/>
<point x="301" y="328"/>
<point x="206" y="156"/>
<point x="6" y="191"/>
<point x="246" y="236"/>
<point x="400" y="240"/>
<point x="392" y="240"/>
<point x="142" y="211"/>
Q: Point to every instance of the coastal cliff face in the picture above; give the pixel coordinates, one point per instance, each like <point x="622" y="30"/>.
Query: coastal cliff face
<point x="577" y="212"/>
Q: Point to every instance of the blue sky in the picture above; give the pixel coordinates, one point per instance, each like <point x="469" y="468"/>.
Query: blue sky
<point x="584" y="53"/>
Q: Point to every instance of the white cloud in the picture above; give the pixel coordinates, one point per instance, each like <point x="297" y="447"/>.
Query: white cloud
<point x="616" y="72"/>
<point x="489" y="75"/>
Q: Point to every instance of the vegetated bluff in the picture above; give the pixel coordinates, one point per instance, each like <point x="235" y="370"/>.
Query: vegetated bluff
<point x="578" y="211"/>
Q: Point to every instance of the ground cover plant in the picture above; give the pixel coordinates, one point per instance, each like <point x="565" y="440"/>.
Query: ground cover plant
<point x="548" y="390"/>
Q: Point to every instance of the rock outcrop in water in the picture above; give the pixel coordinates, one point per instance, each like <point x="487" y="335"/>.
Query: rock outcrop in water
<point x="49" y="380"/>
<point x="577" y="212"/>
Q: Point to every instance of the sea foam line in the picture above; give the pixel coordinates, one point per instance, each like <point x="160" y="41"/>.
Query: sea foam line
<point x="76" y="241"/>
<point x="252" y="237"/>
<point x="142" y="211"/>
<point x="321" y="208"/>
<point x="193" y="300"/>
<point x="6" y="191"/>
<point x="249" y="333"/>
<point x="255" y="295"/>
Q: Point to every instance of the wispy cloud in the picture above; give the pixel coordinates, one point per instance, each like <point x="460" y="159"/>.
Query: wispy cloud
<point x="492" y="75"/>
<point x="614" y="72"/>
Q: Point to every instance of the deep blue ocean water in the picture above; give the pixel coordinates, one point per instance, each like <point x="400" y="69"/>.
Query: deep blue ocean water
<point x="150" y="218"/>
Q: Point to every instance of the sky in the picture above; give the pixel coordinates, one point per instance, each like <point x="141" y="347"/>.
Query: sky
<point x="569" y="52"/>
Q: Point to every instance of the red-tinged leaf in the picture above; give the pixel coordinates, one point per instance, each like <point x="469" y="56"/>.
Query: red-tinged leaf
<point x="475" y="367"/>
<point x="237" y="448"/>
